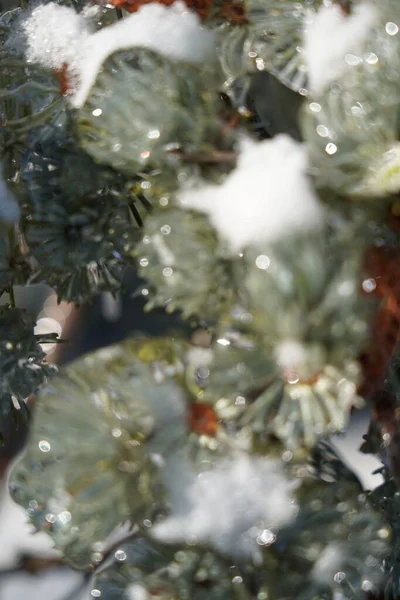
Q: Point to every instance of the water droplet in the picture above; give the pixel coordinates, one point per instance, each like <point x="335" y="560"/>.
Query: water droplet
<point x="97" y="112"/>
<point x="182" y="176"/>
<point x="167" y="272"/>
<point x="287" y="456"/>
<point x="369" y="285"/>
<point x="147" y="523"/>
<point x="391" y="28"/>
<point x="98" y="546"/>
<point x="322" y="131"/>
<point x="383" y="533"/>
<point x="203" y="372"/>
<point x="237" y="579"/>
<point x="263" y="262"/>
<point x="50" y="518"/>
<point x="154" y="134"/>
<point x="44" y="446"/>
<point x="367" y="586"/>
<point x="331" y="148"/>
<point x="240" y="401"/>
<point x="260" y="64"/>
<point x="120" y="555"/>
<point x="165" y="229"/>
<point x="315" y="107"/>
<point x="266" y="538"/>
<point x="64" y="517"/>
<point x="352" y="60"/>
<point x="244" y="111"/>
<point x="95" y="593"/>
<point x="371" y="58"/>
<point x="97" y="557"/>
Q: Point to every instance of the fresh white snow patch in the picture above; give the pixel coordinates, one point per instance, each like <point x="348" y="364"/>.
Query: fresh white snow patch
<point x="172" y="31"/>
<point x="52" y="584"/>
<point x="333" y="42"/>
<point x="55" y="36"/>
<point x="18" y="536"/>
<point x="267" y="197"/>
<point x="232" y="506"/>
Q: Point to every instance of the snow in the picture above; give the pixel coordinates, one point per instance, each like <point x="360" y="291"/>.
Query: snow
<point x="52" y="584"/>
<point x="267" y="197"/>
<point x="231" y="505"/>
<point x="328" y="563"/>
<point x="17" y="535"/>
<point x="172" y="31"/>
<point x="289" y="354"/>
<point x="57" y="35"/>
<point x="331" y="37"/>
<point x="9" y="209"/>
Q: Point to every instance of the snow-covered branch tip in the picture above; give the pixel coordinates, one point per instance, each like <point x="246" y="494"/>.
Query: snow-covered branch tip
<point x="232" y="506"/>
<point x="329" y="38"/>
<point x="267" y="197"/>
<point x="57" y="36"/>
